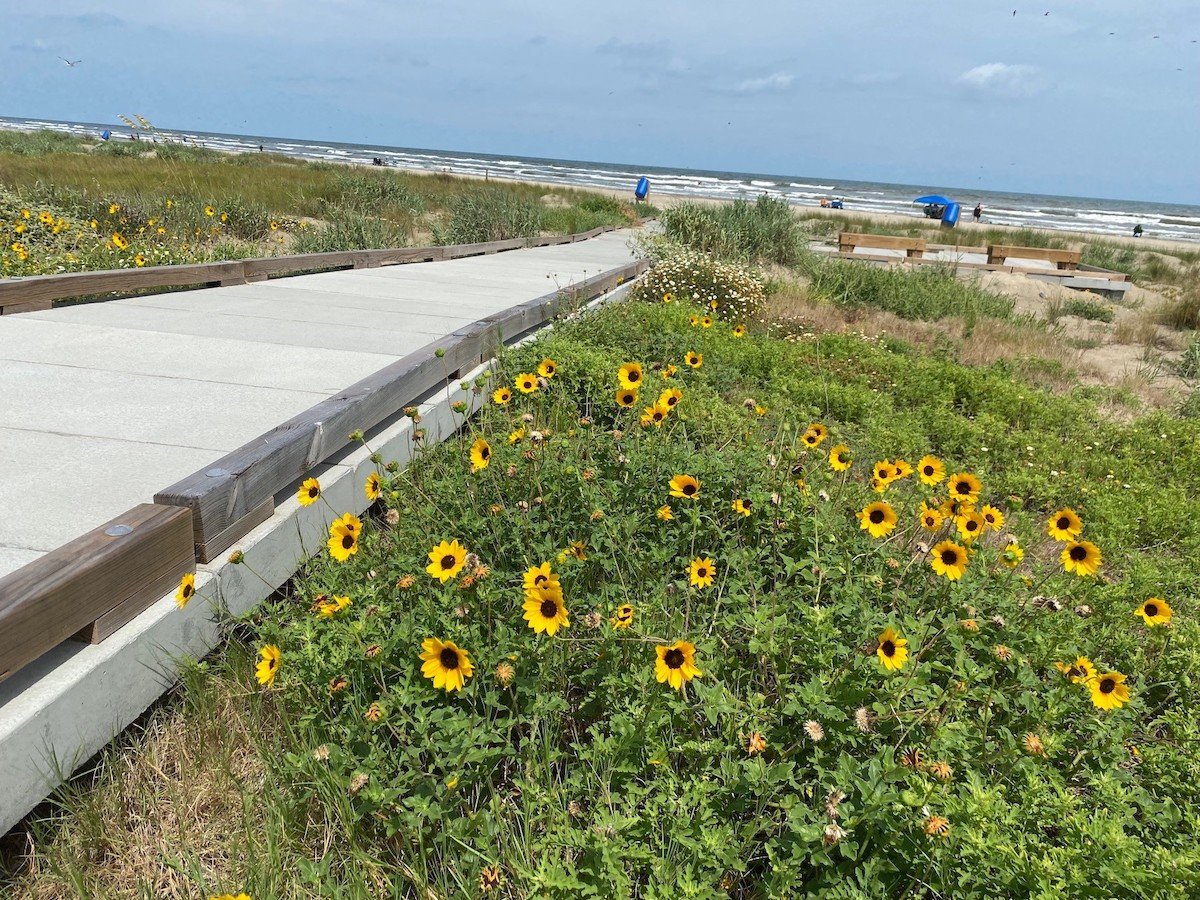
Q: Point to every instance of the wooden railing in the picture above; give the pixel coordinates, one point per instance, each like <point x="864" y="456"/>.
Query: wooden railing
<point x="94" y="584"/>
<point x="38" y="292"/>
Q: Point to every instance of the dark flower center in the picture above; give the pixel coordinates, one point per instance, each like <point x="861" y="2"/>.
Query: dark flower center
<point x="928" y="470"/>
<point x="347" y="541"/>
<point x="888" y="648"/>
<point x="314" y="492"/>
<point x="540" y="579"/>
<point x="187" y="592"/>
<point x="1063" y="523"/>
<point x="1151" y="609"/>
<point x="972" y="525"/>
<point x="674" y="658"/>
<point x="1107" y="685"/>
<point x="672" y="400"/>
<point x="950" y="557"/>
<point x="702" y="572"/>
<point x="634" y="375"/>
<point x="272" y="662"/>
<point x="658" y="415"/>
<point x="448" y="658"/>
<point x="876" y="516"/>
<point x="689" y="489"/>
<point x="448" y="561"/>
<point x="963" y="487"/>
<point x="1079" y="553"/>
<point x="485" y="452"/>
<point x="745" y="504"/>
<point x="810" y="438"/>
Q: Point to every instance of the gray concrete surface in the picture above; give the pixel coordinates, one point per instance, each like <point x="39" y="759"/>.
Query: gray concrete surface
<point x="104" y="404"/>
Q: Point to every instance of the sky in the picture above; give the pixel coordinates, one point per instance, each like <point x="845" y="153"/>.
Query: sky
<point x="1100" y="98"/>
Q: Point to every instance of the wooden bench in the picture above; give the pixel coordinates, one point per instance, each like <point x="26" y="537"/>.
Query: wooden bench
<point x="914" y="248"/>
<point x="1063" y="259"/>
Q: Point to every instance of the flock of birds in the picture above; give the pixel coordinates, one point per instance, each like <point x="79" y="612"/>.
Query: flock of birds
<point x="1113" y="33"/>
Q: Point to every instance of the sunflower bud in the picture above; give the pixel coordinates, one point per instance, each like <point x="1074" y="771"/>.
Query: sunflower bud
<point x="236" y="558"/>
<point x="439" y="353"/>
<point x="505" y="673"/>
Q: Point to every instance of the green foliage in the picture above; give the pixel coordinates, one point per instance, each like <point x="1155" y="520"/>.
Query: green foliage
<point x="351" y="230"/>
<point x="729" y="291"/>
<point x="1086" y="309"/>
<point x="490" y="214"/>
<point x="1111" y="256"/>
<point x="1183" y="310"/>
<point x="37" y="143"/>
<point x="1189" y="363"/>
<point x="363" y="190"/>
<point x="766" y="230"/>
<point x="924" y="293"/>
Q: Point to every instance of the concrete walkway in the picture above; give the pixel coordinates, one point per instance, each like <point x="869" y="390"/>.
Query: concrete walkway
<point x="102" y="405"/>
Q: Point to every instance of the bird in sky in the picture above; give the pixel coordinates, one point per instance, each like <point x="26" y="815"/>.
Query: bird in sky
<point x="71" y="63"/>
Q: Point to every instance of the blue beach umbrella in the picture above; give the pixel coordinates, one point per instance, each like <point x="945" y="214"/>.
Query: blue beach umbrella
<point x="937" y="199"/>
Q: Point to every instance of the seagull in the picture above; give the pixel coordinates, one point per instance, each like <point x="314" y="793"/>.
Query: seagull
<point x="1014" y="12"/>
<point x="69" y="62"/>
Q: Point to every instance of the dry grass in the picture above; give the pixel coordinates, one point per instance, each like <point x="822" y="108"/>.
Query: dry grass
<point x="171" y="812"/>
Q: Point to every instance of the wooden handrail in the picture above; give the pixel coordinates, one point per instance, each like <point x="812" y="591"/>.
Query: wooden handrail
<point x="227" y="497"/>
<point x="38" y="292"/>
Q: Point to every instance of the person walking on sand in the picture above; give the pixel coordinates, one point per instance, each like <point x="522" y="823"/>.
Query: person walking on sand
<point x="978" y="212"/>
<point x="1137" y="230"/>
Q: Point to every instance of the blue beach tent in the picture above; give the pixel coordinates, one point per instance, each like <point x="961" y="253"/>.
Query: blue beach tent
<point x="643" y="188"/>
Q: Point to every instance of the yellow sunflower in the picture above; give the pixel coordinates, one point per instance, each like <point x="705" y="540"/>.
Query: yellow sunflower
<point x="903" y="469"/>
<point x="815" y="434"/>
<point x="527" y="383"/>
<point x="343" y="538"/>
<point x="1108" y="690"/>
<point x="669" y="370"/>
<point x="545" y="610"/>
<point x="685" y="486"/>
<point x="694" y="359"/>
<point x="664" y="514"/>
<point x="536" y="577"/>
<point x="45" y="218"/>
<point x="971" y="524"/>
<point x="481" y="454"/>
<point x="1064" y="525"/>
<point x="501" y="396"/>
<point x="739" y="331"/>
<point x="209" y="211"/>
<point x="623" y="617"/>
<point x="840" y="458"/>
<point x="139" y="261"/>
<point x="1012" y="555"/>
<point x="931" y="470"/>
<point x="668" y="297"/>
<point x="547" y="367"/>
<point x="892" y="650"/>
<point x="878" y="518"/>
<point x="1154" y="611"/>
<point x="330" y="607"/>
<point x="119" y="242"/>
<point x="516" y="435"/>
<point x="1081" y="557"/>
<point x="446" y="560"/>
<point x="742" y="506"/>
<point x="964" y="487"/>
<point x="187" y="589"/>
<point x="654" y="415"/>
<point x="669" y="398"/>
<point x="445" y="664"/>
<point x="676" y="664"/>
<point x="373" y="487"/>
<point x="949" y="559"/>
<point x="626" y="397"/>
<point x="309" y="492"/>
<point x="931" y="518"/>
<point x="1080" y="672"/>
<point x="993" y="517"/>
<point x="630" y="375"/>
<point x="701" y="572"/>
<point x="693" y="320"/>
<point x="706" y="322"/>
<point x="269" y="658"/>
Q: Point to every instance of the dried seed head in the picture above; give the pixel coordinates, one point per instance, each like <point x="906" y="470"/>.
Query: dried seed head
<point x="358" y="782"/>
<point x="321" y="753"/>
<point x="756" y="743"/>
<point x="813" y="729"/>
<point x="833" y="801"/>
<point x="593" y="620"/>
<point x="392" y="517"/>
<point x="833" y="833"/>
<point x="1083" y="610"/>
<point x="505" y="673"/>
<point x="406" y="582"/>
<point x="373" y="651"/>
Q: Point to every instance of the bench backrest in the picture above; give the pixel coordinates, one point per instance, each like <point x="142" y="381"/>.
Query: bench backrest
<point x="997" y="253"/>
<point x="850" y="239"/>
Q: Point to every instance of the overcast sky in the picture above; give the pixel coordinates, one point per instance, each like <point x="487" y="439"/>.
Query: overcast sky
<point x="949" y="92"/>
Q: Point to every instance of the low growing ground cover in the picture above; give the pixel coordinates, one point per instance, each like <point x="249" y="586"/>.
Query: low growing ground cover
<point x="694" y="611"/>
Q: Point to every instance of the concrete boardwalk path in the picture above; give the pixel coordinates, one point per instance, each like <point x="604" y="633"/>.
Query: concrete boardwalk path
<point x="102" y="405"/>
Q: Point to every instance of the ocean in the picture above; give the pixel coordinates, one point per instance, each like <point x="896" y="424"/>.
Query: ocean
<point x="1173" y="221"/>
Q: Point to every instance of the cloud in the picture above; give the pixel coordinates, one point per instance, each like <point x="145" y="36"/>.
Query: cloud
<point x="36" y="45"/>
<point x="776" y="81"/>
<point x="1002" y="80"/>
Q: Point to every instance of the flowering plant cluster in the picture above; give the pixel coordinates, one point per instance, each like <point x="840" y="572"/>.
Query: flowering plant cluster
<point x="700" y="605"/>
<point x="728" y="291"/>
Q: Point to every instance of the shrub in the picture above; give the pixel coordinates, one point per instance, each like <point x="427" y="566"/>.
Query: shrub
<point x="1087" y="309"/>
<point x="358" y="189"/>
<point x="351" y="230"/>
<point x="732" y="292"/>
<point x="1183" y="311"/>
<point x="766" y="230"/>
<point x="489" y="214"/>
<point x="1189" y="363"/>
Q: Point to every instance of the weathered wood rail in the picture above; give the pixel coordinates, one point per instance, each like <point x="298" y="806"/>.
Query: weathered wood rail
<point x="38" y="292"/>
<point x="94" y="584"/>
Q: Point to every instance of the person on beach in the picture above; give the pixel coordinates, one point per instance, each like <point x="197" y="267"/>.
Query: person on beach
<point x="978" y="212"/>
<point x="1137" y="230"/>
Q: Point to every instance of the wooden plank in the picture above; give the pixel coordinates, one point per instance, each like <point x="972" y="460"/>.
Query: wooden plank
<point x="1063" y="259"/>
<point x="236" y="484"/>
<point x="78" y="284"/>
<point x="913" y="247"/>
<point x="35" y="306"/>
<point x="52" y="598"/>
<point x="983" y="267"/>
<point x="209" y="549"/>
